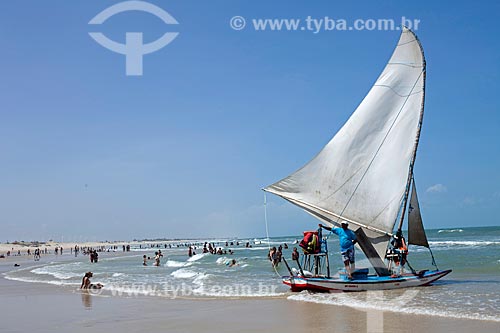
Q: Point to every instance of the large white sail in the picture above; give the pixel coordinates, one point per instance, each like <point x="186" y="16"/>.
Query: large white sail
<point x="361" y="174"/>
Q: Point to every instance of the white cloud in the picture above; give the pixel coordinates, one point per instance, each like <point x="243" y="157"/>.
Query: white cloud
<point x="477" y="201"/>
<point x="437" y="188"/>
<point x="469" y="201"/>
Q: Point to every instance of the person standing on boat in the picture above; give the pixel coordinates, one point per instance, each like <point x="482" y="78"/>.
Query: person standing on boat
<point x="398" y="251"/>
<point x="347" y="240"/>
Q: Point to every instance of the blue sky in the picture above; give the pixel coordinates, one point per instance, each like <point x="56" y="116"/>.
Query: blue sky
<point x="88" y="153"/>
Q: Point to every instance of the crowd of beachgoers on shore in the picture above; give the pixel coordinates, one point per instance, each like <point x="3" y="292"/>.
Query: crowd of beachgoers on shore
<point x="38" y="249"/>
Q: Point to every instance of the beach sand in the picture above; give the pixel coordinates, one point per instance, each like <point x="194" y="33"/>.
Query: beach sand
<point x="47" y="308"/>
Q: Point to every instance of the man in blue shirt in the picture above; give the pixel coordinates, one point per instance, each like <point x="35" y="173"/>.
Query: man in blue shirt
<point x="347" y="240"/>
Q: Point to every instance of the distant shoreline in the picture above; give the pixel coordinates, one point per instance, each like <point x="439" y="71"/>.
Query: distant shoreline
<point x="68" y="244"/>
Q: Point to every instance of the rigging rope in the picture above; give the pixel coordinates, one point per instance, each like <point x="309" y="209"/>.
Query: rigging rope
<point x="382" y="143"/>
<point x="433" y="260"/>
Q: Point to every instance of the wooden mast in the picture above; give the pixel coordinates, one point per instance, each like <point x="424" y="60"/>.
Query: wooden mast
<point x="417" y="138"/>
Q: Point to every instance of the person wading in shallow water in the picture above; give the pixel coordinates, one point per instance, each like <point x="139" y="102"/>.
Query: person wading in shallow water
<point x="347" y="240"/>
<point x="86" y="284"/>
<point x="295" y="254"/>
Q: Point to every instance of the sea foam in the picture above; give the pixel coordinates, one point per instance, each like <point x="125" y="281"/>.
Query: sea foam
<point x="56" y="272"/>
<point x="197" y="257"/>
<point x="463" y="243"/>
<point x="173" y="263"/>
<point x="374" y="301"/>
<point x="450" y="230"/>
<point x="183" y="273"/>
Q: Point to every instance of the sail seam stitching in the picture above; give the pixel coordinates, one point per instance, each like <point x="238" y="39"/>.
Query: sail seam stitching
<point x="393" y="90"/>
<point x="408" y="42"/>
<point x="380" y="146"/>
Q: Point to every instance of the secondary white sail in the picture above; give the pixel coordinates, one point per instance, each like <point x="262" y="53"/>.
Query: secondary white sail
<point x="361" y="174"/>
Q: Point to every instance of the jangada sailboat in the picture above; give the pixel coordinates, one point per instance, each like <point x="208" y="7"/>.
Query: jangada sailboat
<point x="364" y="176"/>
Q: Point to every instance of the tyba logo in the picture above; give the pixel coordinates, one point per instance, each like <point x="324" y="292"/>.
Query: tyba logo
<point x="133" y="49"/>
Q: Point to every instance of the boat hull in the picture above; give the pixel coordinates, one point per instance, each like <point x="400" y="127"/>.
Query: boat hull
<point x="371" y="282"/>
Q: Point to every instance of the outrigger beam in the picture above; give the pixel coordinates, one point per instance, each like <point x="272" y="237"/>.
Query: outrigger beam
<point x="371" y="253"/>
<point x="300" y="268"/>
<point x="288" y="267"/>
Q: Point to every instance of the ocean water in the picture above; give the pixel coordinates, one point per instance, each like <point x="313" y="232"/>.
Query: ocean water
<point x="471" y="291"/>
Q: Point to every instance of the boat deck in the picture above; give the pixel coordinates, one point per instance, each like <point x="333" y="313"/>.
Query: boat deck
<point x="367" y="282"/>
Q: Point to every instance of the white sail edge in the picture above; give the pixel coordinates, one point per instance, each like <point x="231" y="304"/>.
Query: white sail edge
<point x="419" y="129"/>
<point x="307" y="206"/>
